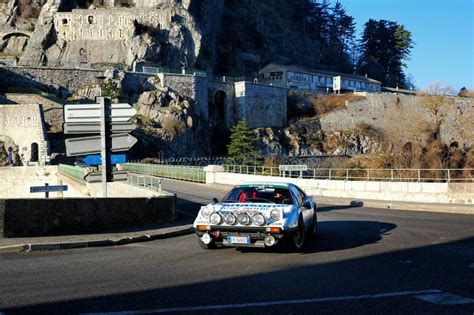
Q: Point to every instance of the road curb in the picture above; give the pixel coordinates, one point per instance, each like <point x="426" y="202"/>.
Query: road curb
<point x="188" y="229"/>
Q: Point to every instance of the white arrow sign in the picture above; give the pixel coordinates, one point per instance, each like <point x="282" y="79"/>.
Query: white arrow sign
<point x="86" y="113"/>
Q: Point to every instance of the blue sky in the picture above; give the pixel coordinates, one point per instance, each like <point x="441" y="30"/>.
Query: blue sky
<point x="443" y="31"/>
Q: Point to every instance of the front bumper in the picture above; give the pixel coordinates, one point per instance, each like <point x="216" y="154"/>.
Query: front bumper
<point x="257" y="235"/>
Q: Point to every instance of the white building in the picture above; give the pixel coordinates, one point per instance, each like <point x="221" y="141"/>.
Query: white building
<point x="315" y="80"/>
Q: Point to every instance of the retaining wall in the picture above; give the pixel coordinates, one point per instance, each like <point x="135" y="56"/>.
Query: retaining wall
<point x="460" y="193"/>
<point x="42" y="217"/>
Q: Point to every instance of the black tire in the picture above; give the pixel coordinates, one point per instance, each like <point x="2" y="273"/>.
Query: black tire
<point x="298" y="237"/>
<point x="211" y="245"/>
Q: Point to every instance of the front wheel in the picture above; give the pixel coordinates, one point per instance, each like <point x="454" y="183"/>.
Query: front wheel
<point x="211" y="245"/>
<point x="299" y="236"/>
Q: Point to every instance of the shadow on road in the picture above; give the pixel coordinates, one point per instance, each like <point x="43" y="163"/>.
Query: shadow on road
<point x="441" y="266"/>
<point x="339" y="235"/>
<point x="353" y="204"/>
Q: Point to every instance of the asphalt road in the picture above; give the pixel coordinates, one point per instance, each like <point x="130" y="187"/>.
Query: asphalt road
<point x="363" y="261"/>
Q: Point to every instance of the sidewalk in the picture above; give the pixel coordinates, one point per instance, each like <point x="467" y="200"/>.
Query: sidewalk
<point x="115" y="237"/>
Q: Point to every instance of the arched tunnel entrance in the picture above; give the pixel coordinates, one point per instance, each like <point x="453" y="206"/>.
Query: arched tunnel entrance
<point x="217" y="119"/>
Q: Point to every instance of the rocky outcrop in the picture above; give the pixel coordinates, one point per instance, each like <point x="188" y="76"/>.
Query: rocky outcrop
<point x="183" y="34"/>
<point x="43" y="38"/>
<point x="169" y="122"/>
<point x="306" y="138"/>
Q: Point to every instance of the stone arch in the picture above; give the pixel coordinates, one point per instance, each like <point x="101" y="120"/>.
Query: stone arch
<point x="34" y="152"/>
<point x="15" y="33"/>
<point x="220" y="100"/>
<point x="218" y="123"/>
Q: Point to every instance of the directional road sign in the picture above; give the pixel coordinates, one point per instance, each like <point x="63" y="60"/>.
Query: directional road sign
<point x="92" y="145"/>
<point x="88" y="113"/>
<point x="96" y="159"/>
<point x="75" y="128"/>
<point x="96" y="177"/>
<point x="47" y="188"/>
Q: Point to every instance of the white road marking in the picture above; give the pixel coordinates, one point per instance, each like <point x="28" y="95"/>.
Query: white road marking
<point x="445" y="299"/>
<point x="275" y="303"/>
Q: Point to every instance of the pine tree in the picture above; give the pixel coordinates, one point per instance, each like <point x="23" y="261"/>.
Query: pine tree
<point x="385" y="47"/>
<point x="243" y="143"/>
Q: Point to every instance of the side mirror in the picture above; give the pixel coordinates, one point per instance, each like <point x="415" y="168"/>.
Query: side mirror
<point x="306" y="204"/>
<point x="214" y="201"/>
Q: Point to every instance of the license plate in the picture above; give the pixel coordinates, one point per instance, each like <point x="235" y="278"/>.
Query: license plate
<point x="238" y="240"/>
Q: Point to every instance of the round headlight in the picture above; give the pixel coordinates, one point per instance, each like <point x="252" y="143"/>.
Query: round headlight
<point x="206" y="212"/>
<point x="243" y="219"/>
<point x="229" y="218"/>
<point x="215" y="218"/>
<point x="258" y="219"/>
<point x="275" y="214"/>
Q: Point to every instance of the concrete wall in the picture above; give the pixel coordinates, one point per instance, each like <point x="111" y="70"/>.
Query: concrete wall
<point x="462" y="193"/>
<point x="261" y="105"/>
<point x="16" y="182"/>
<point x="41" y="217"/>
<point x="23" y="124"/>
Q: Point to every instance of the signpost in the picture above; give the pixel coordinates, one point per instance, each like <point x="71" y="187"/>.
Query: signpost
<point x="293" y="168"/>
<point x="110" y="124"/>
<point x="91" y="113"/>
<point x="47" y="189"/>
<point x="96" y="177"/>
<point x="92" y="145"/>
<point x="91" y="128"/>
<point x="94" y="160"/>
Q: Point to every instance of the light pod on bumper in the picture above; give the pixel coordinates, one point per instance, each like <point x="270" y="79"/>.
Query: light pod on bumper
<point x="215" y="218"/>
<point x="243" y="219"/>
<point x="229" y="218"/>
<point x="206" y="212"/>
<point x="275" y="214"/>
<point x="258" y="219"/>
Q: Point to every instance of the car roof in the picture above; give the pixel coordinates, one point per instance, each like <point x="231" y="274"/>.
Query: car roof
<point x="272" y="184"/>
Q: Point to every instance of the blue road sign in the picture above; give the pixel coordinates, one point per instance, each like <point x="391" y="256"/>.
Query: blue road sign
<point x="96" y="160"/>
<point x="47" y="188"/>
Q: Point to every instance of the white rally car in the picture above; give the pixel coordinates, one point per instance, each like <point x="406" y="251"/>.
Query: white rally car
<point x="258" y="215"/>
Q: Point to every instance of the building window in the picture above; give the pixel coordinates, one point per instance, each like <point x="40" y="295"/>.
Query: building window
<point x="90" y="19"/>
<point x="64" y="21"/>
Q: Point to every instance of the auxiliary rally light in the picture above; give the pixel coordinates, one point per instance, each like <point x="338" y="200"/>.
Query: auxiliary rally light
<point x="206" y="239"/>
<point x="269" y="241"/>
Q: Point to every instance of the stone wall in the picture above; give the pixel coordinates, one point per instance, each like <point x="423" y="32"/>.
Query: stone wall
<point x="229" y="107"/>
<point x="55" y="80"/>
<point x="261" y="105"/>
<point x="405" y="117"/>
<point x="107" y="24"/>
<point x="190" y="86"/>
<point x="24" y="125"/>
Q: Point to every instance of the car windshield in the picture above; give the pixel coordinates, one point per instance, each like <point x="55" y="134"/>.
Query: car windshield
<point x="259" y="194"/>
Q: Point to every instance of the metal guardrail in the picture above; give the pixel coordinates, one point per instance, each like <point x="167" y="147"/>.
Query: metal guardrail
<point x="394" y="175"/>
<point x="145" y="181"/>
<point x="185" y="173"/>
<point x="73" y="172"/>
